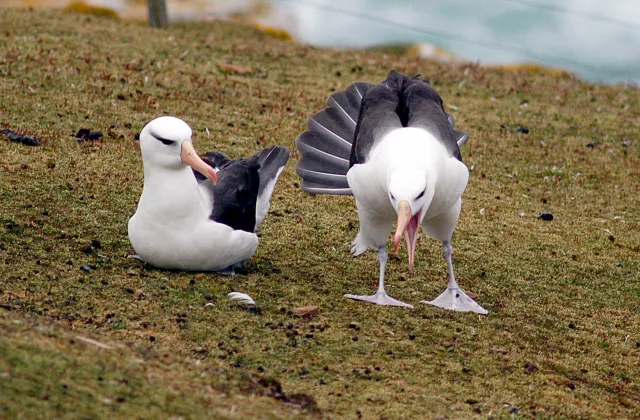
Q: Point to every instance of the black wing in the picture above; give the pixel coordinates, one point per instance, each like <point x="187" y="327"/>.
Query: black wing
<point x="241" y="184"/>
<point x="378" y="116"/>
<point x="422" y="107"/>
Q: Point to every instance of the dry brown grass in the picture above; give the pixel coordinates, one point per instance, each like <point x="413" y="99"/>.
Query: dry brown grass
<point x="562" y="336"/>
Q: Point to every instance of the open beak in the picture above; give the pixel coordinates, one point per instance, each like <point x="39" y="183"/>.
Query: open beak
<point x="407" y="226"/>
<point x="191" y="158"/>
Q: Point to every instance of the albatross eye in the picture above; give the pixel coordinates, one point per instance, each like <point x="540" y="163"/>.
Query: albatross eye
<point x="421" y="194"/>
<point x="392" y="197"/>
<point x="166" y="142"/>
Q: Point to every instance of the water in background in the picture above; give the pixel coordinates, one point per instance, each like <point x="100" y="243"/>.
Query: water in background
<point x="597" y="39"/>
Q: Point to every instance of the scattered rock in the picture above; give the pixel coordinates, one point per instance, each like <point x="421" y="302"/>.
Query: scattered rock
<point x="242" y="299"/>
<point x="306" y="311"/>
<point x="530" y="367"/>
<point x="591" y="145"/>
<point x="518" y="129"/>
<point x="546" y="216"/>
<point x="513" y="410"/>
<point x="90" y="248"/>
<point x="87" y="268"/>
<point x="22" y="138"/>
<point x="233" y="68"/>
<point x="84" y="134"/>
<point x="495" y="350"/>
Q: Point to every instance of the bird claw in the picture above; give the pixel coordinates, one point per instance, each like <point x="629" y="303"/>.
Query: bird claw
<point x="380" y="298"/>
<point x="455" y="299"/>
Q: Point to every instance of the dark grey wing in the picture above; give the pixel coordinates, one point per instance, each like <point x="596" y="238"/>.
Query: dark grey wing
<point x="214" y="159"/>
<point x="378" y="116"/>
<point x="235" y="194"/>
<point x="270" y="163"/>
<point x="422" y="107"/>
<point x="327" y="143"/>
<point x="460" y="136"/>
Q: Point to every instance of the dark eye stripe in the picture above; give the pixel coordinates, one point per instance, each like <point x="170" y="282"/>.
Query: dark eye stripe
<point x="420" y="195"/>
<point x="167" y="142"/>
<point x="164" y="141"/>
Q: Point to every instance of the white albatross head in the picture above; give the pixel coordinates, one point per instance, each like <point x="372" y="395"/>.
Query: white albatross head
<point x="410" y="196"/>
<point x="165" y="143"/>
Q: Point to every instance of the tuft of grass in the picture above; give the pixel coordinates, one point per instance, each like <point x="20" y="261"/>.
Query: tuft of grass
<point x="278" y="33"/>
<point x="52" y="372"/>
<point x="562" y="339"/>
<point x="88" y="9"/>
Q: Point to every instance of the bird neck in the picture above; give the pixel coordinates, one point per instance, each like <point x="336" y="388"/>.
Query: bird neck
<point x="174" y="193"/>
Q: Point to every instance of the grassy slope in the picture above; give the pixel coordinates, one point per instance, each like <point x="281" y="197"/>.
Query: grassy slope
<point x="562" y="295"/>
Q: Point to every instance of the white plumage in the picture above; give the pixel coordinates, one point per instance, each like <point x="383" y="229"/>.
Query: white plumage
<point x="171" y="228"/>
<point x="395" y="149"/>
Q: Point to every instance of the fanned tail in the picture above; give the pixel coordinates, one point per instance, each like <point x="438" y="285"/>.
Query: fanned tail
<point x="326" y="145"/>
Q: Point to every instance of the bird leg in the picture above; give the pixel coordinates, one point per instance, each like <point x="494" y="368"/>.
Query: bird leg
<point x="454" y="298"/>
<point x="380" y="297"/>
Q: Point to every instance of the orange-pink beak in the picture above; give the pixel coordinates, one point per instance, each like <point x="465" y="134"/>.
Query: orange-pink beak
<point x="191" y="158"/>
<point x="407" y="226"/>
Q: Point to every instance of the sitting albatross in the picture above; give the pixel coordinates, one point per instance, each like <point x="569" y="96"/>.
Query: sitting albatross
<point x="194" y="217"/>
<point x="394" y="148"/>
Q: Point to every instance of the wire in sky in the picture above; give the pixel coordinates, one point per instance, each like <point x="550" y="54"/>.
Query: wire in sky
<point x="575" y="12"/>
<point x="497" y="46"/>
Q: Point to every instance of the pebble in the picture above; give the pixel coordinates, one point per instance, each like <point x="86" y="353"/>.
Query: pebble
<point x="22" y="138"/>
<point x="84" y="134"/>
<point x="546" y="216"/>
<point x="530" y="367"/>
<point x="87" y="268"/>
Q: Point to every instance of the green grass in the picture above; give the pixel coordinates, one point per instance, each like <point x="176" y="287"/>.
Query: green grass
<point x="562" y="339"/>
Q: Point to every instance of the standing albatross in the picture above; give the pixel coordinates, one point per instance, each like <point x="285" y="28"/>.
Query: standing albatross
<point x="394" y="148"/>
<point x="199" y="214"/>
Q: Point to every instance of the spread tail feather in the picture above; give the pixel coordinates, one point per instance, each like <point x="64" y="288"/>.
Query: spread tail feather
<point x="326" y="145"/>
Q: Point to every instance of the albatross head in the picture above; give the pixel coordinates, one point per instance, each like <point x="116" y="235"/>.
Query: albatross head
<point x="166" y="143"/>
<point x="410" y="196"/>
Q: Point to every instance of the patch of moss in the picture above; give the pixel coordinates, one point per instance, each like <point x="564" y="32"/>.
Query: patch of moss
<point x="277" y="33"/>
<point x="87" y="9"/>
